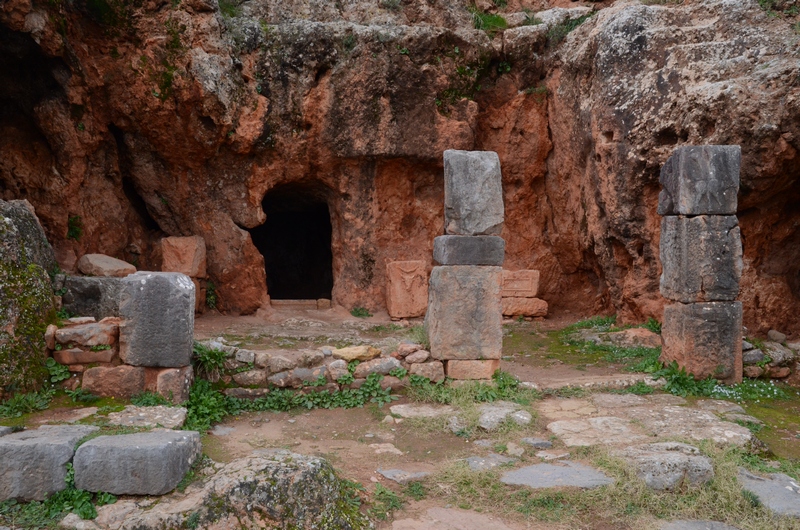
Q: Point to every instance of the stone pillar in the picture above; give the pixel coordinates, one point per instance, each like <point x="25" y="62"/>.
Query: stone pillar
<point x="464" y="317"/>
<point x="701" y="257"/>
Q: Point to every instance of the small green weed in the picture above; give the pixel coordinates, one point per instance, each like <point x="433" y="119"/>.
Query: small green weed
<point x="558" y="33"/>
<point x="416" y="490"/>
<point x="419" y="335"/>
<point x="79" y="395"/>
<point x="640" y="388"/>
<point x="20" y="404"/>
<point x="653" y="325"/>
<point x="360" y="312"/>
<point x="488" y="22"/>
<point x="208" y="362"/>
<point x="149" y="399"/>
<point x="100" y="347"/>
<point x="74" y="227"/>
<point x="211" y="295"/>
<point x="385" y="501"/>
<point x="398" y="372"/>
<point x="229" y="8"/>
<point x="58" y="372"/>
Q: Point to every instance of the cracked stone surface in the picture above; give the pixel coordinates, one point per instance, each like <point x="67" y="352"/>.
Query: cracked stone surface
<point x="411" y="410"/>
<point x="778" y="492"/>
<point x="684" y="422"/>
<point x="603" y="430"/>
<point x="564" y="473"/>
<point x="133" y="416"/>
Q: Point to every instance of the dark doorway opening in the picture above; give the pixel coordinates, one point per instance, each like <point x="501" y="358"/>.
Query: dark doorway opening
<point x="296" y="244"/>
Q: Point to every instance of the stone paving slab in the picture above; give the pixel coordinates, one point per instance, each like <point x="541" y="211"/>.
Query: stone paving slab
<point x="450" y="519"/>
<point x="602" y="430"/>
<point x="5" y="430"/>
<point x="778" y="492"/>
<point x="411" y="410"/>
<point x="403" y="477"/>
<point x="33" y="464"/>
<point x="669" y="465"/>
<point x="485" y="463"/>
<point x="563" y="474"/>
<point x="685" y="422"/>
<point x="159" y="416"/>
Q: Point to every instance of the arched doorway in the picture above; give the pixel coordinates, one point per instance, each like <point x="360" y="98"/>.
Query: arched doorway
<point x="295" y="241"/>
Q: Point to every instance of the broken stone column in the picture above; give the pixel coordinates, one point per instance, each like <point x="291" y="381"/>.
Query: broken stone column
<point x="701" y="257"/>
<point x="464" y="317"/>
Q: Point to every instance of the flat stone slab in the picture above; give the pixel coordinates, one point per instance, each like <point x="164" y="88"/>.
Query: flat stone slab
<point x="403" y="477"/>
<point x="5" y="430"/>
<point x="485" y="463"/>
<point x="683" y="422"/>
<point x="668" y="465"/>
<point x="613" y="401"/>
<point x="778" y="492"/>
<point x="450" y="519"/>
<point x="148" y="463"/>
<point x="697" y="525"/>
<point x="492" y="415"/>
<point x="719" y="406"/>
<point x="538" y="443"/>
<point x="33" y="464"/>
<point x="159" y="416"/>
<point x="601" y="430"/>
<point x="411" y="410"/>
<point x="557" y="475"/>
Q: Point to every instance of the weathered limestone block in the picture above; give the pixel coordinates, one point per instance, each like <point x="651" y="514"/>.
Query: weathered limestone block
<point x="473" y="193"/>
<point x="337" y="369"/>
<point x="406" y="289"/>
<point x="103" y="333"/>
<point x="419" y="356"/>
<point x="464" y="318"/>
<point x="356" y="353"/>
<point x="157" y="310"/>
<point x="527" y="307"/>
<point x="669" y="465"/>
<point x="701" y="258"/>
<point x="175" y="383"/>
<point x="102" y="265"/>
<point x="433" y="370"/>
<point x="78" y="356"/>
<point x="700" y="180"/>
<point x="381" y="365"/>
<point x="150" y="463"/>
<point x="705" y="339"/>
<point x="92" y="296"/>
<point x="472" y="369"/>
<point x="33" y="464"/>
<point x="251" y="378"/>
<point x="469" y="250"/>
<point x="520" y="284"/>
<point x="118" y="381"/>
<point x="186" y="255"/>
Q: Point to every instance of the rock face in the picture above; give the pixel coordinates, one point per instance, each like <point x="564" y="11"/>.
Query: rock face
<point x="221" y="111"/>
<point x="26" y="296"/>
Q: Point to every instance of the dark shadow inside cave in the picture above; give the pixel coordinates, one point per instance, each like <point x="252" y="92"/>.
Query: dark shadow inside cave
<point x="295" y="241"/>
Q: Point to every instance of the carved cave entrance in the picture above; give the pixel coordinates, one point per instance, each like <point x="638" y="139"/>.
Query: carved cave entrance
<point x="295" y="241"/>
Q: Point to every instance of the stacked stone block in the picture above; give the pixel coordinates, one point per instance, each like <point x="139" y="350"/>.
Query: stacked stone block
<point x="519" y="294"/>
<point x="701" y="256"/>
<point x="187" y="255"/>
<point x="148" y="347"/>
<point x="464" y="317"/>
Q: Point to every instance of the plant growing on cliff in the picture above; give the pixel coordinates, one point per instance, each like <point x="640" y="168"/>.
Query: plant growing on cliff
<point x="558" y="33"/>
<point x="211" y="295"/>
<point x="74" y="227"/>
<point x="393" y="5"/>
<point x="229" y="8"/>
<point x="488" y="22"/>
<point x="58" y="372"/>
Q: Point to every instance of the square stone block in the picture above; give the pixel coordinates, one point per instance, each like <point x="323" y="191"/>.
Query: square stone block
<point x="473" y="193"/>
<point x="406" y="289"/>
<point x="520" y="284"/>
<point x="469" y="250"/>
<point x="157" y="310"/>
<point x="705" y="339"/>
<point x="472" y="369"/>
<point x="33" y="463"/>
<point x="186" y="255"/>
<point x="701" y="258"/>
<point x="526" y="307"/>
<point x="148" y="463"/>
<point x="117" y="381"/>
<point x="88" y="296"/>
<point x="701" y="180"/>
<point x="464" y="318"/>
<point x="174" y="383"/>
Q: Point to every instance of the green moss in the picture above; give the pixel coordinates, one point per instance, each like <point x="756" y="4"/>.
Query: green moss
<point x="26" y="292"/>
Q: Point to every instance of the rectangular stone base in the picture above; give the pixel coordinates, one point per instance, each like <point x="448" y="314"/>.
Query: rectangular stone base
<point x="472" y="369"/>
<point x="406" y="288"/>
<point x="464" y="318"/>
<point x="705" y="339"/>
<point x="526" y="307"/>
<point x="469" y="250"/>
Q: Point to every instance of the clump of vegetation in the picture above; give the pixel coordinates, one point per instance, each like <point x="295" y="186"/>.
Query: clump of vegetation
<point x="488" y="22"/>
<point x="653" y="325"/>
<point x="74" y="227"/>
<point x="384" y="502"/>
<point x="208" y="362"/>
<point x="150" y="399"/>
<point x="58" y="372"/>
<point x="558" y="33"/>
<point x="20" y="404"/>
<point x="392" y="5"/>
<point x="229" y="8"/>
<point x="211" y="295"/>
<point x="505" y="386"/>
<point x="360" y="312"/>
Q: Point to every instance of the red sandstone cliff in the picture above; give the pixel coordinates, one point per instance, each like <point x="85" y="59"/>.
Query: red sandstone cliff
<point x="145" y="119"/>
